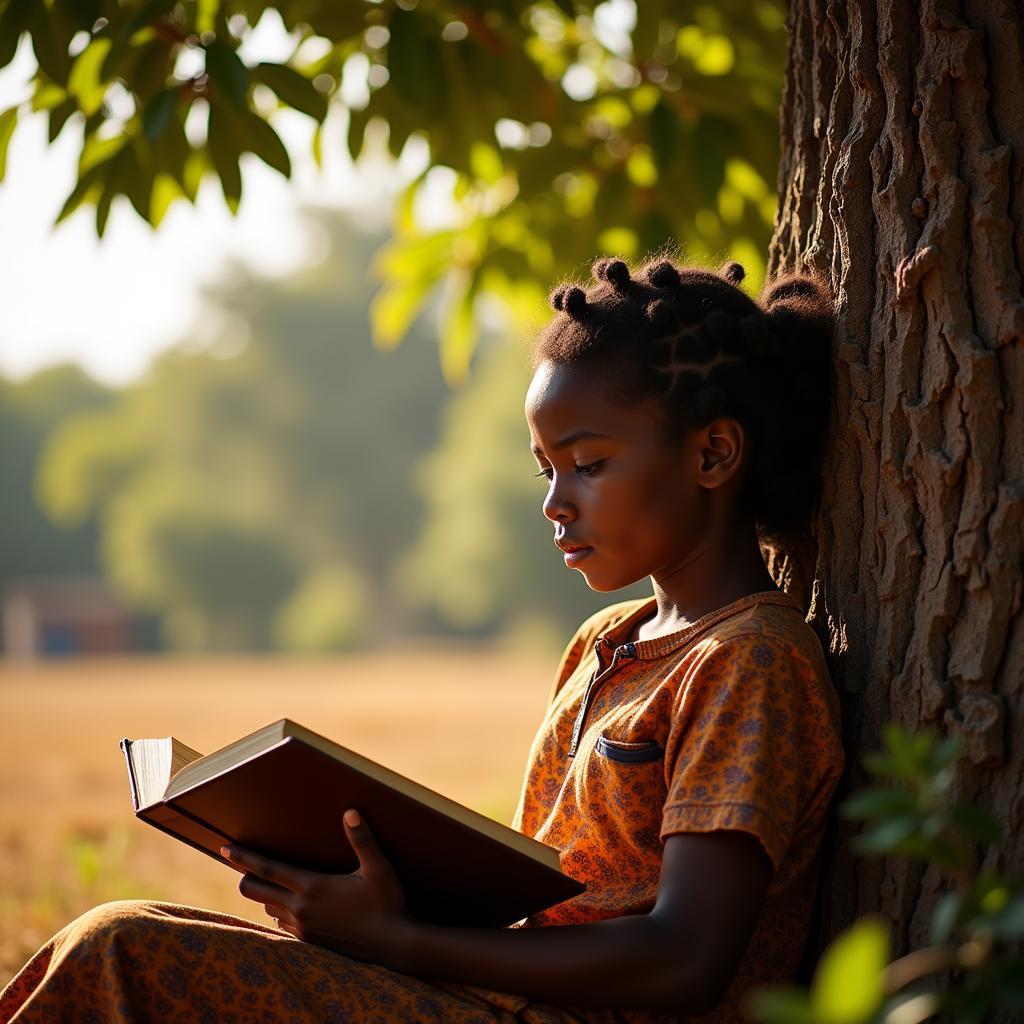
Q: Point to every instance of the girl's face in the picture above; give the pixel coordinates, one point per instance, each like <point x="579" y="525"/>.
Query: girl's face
<point x="631" y="500"/>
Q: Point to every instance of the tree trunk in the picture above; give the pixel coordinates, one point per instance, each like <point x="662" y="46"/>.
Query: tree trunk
<point x="902" y="176"/>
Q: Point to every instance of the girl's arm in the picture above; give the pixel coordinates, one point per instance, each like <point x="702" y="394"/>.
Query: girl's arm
<point x="681" y="956"/>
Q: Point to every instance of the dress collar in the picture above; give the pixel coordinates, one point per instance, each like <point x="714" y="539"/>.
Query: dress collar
<point x="619" y="629"/>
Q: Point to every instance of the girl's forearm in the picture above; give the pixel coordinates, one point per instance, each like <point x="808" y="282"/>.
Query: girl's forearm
<point x="626" y="962"/>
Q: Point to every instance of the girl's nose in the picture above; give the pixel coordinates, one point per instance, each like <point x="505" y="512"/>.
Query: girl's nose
<point x="557" y="508"/>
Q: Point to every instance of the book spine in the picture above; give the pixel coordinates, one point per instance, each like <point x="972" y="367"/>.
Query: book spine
<point x="126" y="748"/>
<point x="186" y="828"/>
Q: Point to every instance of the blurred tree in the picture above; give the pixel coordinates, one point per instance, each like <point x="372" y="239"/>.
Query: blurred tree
<point x="567" y="127"/>
<point x="29" y="543"/>
<point x="261" y="497"/>
<point x="302" y="493"/>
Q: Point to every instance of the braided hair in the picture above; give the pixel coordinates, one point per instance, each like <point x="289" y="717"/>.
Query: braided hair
<point x="691" y="342"/>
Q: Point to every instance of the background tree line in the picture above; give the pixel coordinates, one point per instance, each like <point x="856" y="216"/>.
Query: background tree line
<point x="306" y="492"/>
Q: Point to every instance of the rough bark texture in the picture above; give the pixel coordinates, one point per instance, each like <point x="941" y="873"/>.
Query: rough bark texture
<point x="902" y="176"/>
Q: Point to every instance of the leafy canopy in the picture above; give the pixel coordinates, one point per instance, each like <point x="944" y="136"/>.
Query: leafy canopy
<point x="568" y="128"/>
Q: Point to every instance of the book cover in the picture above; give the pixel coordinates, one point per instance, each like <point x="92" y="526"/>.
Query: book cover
<point x="282" y="791"/>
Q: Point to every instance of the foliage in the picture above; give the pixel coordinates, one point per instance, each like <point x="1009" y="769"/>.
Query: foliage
<point x="561" y="136"/>
<point x="974" y="927"/>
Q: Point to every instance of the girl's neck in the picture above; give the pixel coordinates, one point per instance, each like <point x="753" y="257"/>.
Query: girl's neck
<point x="721" y="575"/>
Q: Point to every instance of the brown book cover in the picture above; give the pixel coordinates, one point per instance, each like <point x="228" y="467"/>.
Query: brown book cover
<point x="282" y="791"/>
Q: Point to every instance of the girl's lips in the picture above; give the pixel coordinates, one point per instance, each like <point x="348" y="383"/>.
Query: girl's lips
<point x="576" y="556"/>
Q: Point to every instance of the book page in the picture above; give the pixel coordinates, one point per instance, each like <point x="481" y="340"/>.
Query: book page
<point x="181" y="755"/>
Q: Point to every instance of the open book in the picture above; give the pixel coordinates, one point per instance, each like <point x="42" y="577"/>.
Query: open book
<point x="282" y="791"/>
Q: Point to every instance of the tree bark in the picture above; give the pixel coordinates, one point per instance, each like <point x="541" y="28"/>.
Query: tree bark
<point x="902" y="177"/>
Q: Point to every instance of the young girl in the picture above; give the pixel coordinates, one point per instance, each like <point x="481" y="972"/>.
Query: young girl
<point x="688" y="755"/>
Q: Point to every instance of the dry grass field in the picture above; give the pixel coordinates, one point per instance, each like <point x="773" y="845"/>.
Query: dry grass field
<point x="459" y="722"/>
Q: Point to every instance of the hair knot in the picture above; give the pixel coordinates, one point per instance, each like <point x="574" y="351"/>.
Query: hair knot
<point x="615" y="272"/>
<point x="733" y="272"/>
<point x="574" y="302"/>
<point x="663" y="275"/>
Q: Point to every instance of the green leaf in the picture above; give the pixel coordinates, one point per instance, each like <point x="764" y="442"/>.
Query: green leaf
<point x="881" y="765"/>
<point x="227" y="71"/>
<point x="780" y="1004"/>
<point x="945" y="754"/>
<point x="977" y="824"/>
<point x="8" y="122"/>
<point x="165" y="191"/>
<point x="50" y="42"/>
<point x="206" y="15"/>
<point x="485" y="162"/>
<point x="458" y="333"/>
<point x="879" y="803"/>
<point x="159" y="112"/>
<point x="1009" y="922"/>
<point x="849" y="983"/>
<point x="85" y="81"/>
<point x="47" y="95"/>
<point x="59" y="117"/>
<point x="197" y="163"/>
<point x="357" y="122"/>
<point x="147" y="68"/>
<point x="886" y="837"/>
<point x="945" y="917"/>
<point x="225" y="148"/>
<point x="97" y="151"/>
<point x="103" y="205"/>
<point x="134" y="178"/>
<point x="13" y="21"/>
<point x="259" y="138"/>
<point x="418" y="72"/>
<point x="317" y="146"/>
<point x="395" y="308"/>
<point x="87" y="189"/>
<point x="292" y="88"/>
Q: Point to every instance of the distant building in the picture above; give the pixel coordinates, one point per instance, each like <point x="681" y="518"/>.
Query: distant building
<point x="65" y="615"/>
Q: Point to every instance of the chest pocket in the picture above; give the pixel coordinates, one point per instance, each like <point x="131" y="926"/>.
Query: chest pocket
<point x="629" y="753"/>
<point x="625" y="788"/>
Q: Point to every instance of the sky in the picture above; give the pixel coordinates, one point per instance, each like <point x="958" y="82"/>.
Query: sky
<point x="112" y="304"/>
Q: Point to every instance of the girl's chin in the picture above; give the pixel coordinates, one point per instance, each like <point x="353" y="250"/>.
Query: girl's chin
<point x="601" y="583"/>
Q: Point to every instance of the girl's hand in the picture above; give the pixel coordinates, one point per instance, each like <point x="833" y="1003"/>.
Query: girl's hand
<point x="362" y="914"/>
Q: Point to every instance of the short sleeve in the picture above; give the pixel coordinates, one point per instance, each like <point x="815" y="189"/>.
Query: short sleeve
<point x="735" y="750"/>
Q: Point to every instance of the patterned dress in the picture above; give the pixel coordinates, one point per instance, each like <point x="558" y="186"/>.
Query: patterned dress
<point x="731" y="723"/>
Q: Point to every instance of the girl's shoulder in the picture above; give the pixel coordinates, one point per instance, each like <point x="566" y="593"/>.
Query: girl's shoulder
<point x="777" y="621"/>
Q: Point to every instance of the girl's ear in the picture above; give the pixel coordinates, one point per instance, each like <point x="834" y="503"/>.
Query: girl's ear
<point x="722" y="447"/>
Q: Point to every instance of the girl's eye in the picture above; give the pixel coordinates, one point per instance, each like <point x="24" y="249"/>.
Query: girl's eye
<point x="588" y="470"/>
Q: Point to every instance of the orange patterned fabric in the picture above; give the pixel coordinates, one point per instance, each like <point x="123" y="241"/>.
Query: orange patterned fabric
<point x="731" y="723"/>
<point x="147" y="961"/>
